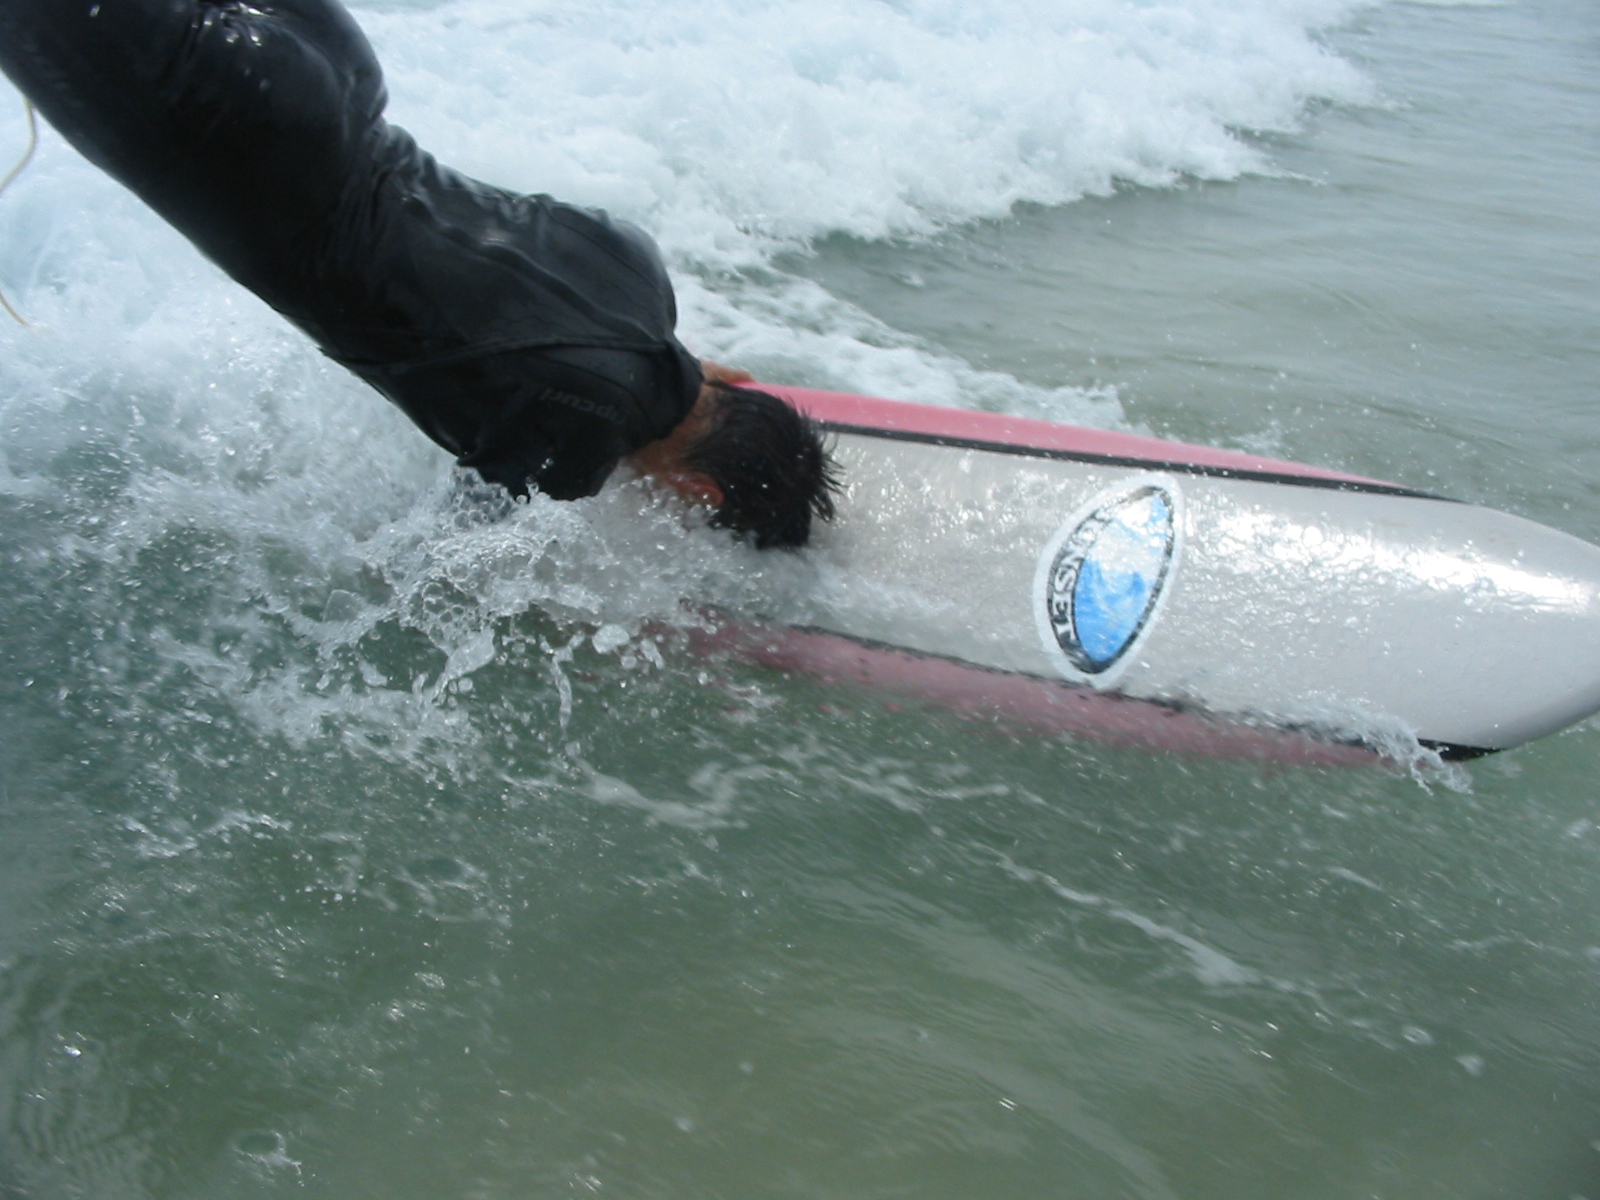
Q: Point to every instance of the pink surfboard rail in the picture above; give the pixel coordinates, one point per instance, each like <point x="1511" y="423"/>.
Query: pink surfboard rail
<point x="1012" y="702"/>
<point x="1021" y="434"/>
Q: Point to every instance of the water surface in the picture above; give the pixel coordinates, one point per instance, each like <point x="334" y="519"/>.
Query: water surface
<point x="358" y="839"/>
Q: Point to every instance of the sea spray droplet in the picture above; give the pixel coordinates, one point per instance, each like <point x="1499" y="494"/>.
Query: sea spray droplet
<point x="439" y="869"/>
<point x="266" y="1148"/>
<point x="610" y="637"/>
<point x="259" y="1143"/>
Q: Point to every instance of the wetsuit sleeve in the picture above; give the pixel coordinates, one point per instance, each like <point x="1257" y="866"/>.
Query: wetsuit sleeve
<point x="236" y="122"/>
<point x="531" y="339"/>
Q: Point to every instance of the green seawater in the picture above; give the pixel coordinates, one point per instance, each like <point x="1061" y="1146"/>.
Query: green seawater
<point x="332" y="866"/>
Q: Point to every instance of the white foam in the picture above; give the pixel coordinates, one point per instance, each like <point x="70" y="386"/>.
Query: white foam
<point x="732" y="129"/>
<point x="726" y="124"/>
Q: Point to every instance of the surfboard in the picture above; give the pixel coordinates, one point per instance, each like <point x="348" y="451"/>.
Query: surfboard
<point x="1182" y="596"/>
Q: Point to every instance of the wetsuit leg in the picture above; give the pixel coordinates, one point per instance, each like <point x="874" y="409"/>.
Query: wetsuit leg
<point x="237" y="122"/>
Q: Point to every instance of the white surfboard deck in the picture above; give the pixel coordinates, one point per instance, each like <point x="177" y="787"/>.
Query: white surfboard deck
<point x="1051" y="574"/>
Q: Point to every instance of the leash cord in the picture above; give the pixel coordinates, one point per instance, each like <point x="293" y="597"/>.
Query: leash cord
<point x="27" y="157"/>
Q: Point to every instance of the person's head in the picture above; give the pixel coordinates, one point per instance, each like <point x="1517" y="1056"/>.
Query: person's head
<point x="756" y="460"/>
<point x="769" y="464"/>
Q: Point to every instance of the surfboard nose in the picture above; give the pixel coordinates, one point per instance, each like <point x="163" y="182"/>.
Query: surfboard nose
<point x="1464" y="626"/>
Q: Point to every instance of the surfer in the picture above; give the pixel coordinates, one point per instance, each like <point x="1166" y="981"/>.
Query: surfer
<point x="532" y="339"/>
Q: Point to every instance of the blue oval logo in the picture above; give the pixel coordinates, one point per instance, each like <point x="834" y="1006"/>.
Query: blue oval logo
<point x="1107" y="575"/>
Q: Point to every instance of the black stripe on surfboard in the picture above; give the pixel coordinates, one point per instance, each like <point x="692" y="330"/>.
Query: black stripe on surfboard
<point x="1119" y="460"/>
<point x="1452" y="752"/>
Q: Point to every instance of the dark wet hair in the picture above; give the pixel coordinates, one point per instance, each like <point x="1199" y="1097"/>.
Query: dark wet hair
<point x="770" y="462"/>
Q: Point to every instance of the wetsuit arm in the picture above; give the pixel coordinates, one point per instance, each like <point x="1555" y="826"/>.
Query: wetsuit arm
<point x="532" y="339"/>
<point x="236" y="122"/>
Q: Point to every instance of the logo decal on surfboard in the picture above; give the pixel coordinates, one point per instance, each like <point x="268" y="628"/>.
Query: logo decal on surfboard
<point x="1100" y="580"/>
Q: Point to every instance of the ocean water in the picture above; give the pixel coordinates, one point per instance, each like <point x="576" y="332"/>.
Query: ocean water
<point x="357" y="838"/>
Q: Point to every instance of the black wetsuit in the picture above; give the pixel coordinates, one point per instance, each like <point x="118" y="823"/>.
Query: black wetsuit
<point x="532" y="339"/>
